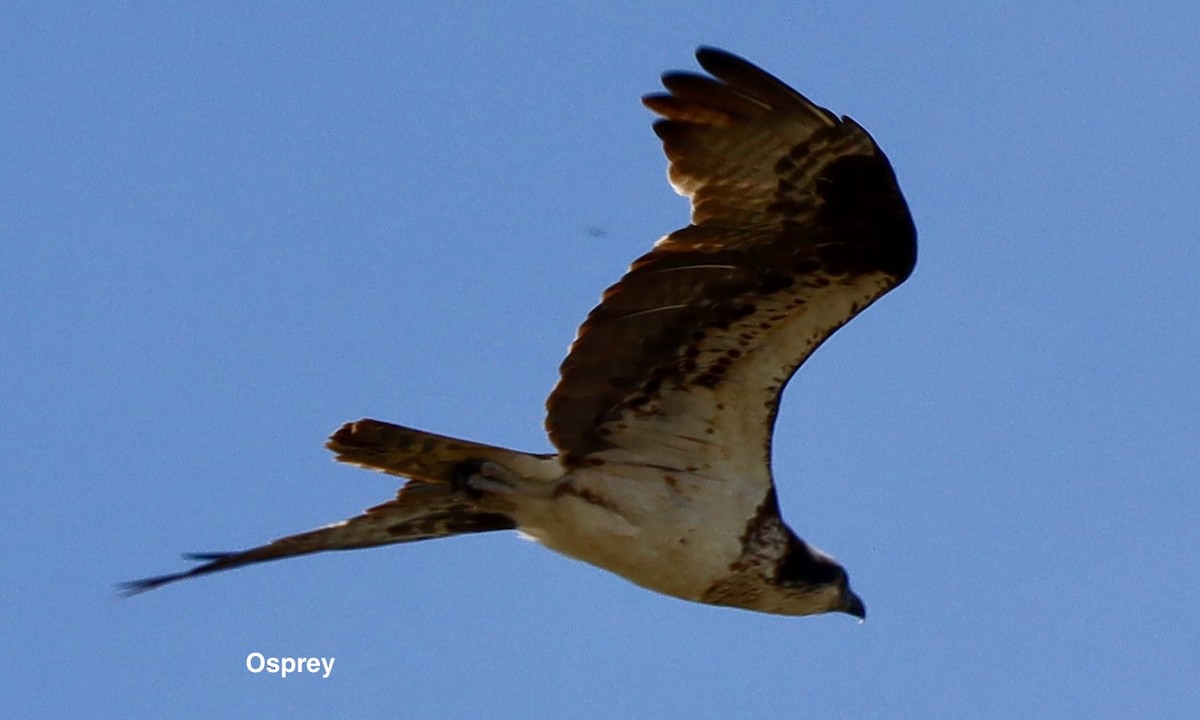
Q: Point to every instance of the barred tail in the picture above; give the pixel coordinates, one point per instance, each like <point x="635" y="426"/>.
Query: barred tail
<point x="425" y="456"/>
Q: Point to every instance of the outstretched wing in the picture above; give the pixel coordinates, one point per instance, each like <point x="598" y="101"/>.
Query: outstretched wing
<point x="421" y="511"/>
<point x="797" y="226"/>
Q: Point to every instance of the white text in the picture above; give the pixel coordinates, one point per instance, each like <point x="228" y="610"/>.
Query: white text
<point x="256" y="663"/>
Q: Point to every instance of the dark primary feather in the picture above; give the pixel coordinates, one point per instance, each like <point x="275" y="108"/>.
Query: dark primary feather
<point x="421" y="511"/>
<point x="797" y="225"/>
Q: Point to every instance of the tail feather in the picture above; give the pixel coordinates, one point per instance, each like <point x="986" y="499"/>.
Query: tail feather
<point x="431" y="505"/>
<point x="425" y="456"/>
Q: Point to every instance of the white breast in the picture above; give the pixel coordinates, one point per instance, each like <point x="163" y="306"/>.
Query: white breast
<point x="670" y="531"/>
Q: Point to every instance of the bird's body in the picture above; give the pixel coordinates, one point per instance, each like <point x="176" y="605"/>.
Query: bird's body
<point x="664" y="414"/>
<point x="674" y="533"/>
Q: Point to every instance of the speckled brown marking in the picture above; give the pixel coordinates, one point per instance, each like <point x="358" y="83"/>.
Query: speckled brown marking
<point x="763" y="537"/>
<point x="583" y="494"/>
<point x="763" y="529"/>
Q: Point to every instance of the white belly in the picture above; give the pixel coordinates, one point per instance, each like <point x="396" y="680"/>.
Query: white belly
<point x="672" y="532"/>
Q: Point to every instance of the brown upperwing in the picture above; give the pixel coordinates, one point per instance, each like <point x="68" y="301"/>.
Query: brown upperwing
<point x="797" y="225"/>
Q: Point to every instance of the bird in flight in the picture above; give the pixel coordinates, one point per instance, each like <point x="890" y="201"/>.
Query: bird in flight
<point x="664" y="412"/>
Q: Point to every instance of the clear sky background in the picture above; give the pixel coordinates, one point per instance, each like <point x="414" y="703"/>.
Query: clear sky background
<point x="227" y="228"/>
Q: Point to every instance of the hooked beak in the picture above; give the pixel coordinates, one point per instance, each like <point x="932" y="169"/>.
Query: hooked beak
<point x="853" y="605"/>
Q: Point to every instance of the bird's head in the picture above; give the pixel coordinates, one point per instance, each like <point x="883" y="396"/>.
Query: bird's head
<point x="812" y="582"/>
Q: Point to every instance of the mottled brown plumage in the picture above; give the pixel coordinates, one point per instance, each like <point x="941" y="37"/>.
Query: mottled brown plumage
<point x="793" y="211"/>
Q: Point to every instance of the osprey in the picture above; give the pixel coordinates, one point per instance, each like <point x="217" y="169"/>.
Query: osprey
<point x="664" y="412"/>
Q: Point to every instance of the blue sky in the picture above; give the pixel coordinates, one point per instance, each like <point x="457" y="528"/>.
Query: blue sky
<point x="225" y="229"/>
